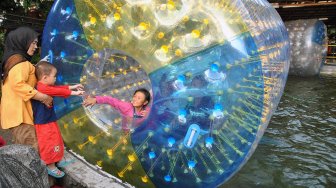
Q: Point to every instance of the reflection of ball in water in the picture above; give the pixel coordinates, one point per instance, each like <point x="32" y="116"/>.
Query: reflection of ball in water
<point x="215" y="69"/>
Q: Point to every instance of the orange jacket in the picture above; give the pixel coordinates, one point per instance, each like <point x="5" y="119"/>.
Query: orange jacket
<point x="17" y="90"/>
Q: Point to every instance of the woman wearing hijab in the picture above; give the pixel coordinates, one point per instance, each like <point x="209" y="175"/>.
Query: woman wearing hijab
<point x="18" y="81"/>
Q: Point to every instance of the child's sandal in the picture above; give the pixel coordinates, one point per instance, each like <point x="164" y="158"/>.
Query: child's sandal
<point x="63" y="163"/>
<point x="56" y="173"/>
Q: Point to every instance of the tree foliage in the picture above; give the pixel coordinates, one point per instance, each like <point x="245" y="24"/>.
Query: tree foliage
<point x="15" y="13"/>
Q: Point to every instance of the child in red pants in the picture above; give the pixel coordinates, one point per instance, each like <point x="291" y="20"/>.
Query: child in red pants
<point x="51" y="147"/>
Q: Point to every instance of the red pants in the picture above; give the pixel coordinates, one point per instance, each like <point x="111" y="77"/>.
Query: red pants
<point x="50" y="142"/>
<point x="2" y="142"/>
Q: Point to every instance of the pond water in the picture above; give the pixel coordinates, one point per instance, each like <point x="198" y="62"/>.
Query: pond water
<point x="298" y="148"/>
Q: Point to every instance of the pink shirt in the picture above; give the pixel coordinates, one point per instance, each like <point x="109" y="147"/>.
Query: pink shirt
<point x="125" y="108"/>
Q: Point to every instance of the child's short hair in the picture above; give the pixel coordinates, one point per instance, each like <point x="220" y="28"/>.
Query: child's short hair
<point x="145" y="92"/>
<point x="43" y="68"/>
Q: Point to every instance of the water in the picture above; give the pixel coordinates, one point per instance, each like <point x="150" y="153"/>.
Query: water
<point x="298" y="148"/>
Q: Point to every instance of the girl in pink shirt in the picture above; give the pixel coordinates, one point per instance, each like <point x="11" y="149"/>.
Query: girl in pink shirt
<point x="133" y="112"/>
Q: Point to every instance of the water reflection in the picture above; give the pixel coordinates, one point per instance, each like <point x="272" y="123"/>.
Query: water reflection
<point x="298" y="148"/>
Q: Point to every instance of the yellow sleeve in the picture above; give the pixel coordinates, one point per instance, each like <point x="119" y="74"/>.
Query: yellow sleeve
<point x="18" y="80"/>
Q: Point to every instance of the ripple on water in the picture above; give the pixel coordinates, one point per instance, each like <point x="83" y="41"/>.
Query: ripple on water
<point x="333" y="120"/>
<point x="295" y="123"/>
<point x="301" y="138"/>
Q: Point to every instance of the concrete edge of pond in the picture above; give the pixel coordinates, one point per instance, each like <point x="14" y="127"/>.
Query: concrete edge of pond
<point x="328" y="71"/>
<point x="80" y="174"/>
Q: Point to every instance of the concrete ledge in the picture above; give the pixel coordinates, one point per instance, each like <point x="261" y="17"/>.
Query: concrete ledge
<point x="82" y="174"/>
<point x="328" y="71"/>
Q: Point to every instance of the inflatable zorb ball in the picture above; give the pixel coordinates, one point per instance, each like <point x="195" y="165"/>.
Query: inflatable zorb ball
<point x="216" y="71"/>
<point x="308" y="42"/>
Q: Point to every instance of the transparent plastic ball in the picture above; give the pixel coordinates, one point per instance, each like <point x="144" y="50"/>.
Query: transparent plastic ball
<point x="216" y="71"/>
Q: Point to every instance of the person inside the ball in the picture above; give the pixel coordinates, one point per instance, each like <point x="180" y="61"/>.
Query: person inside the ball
<point x="133" y="112"/>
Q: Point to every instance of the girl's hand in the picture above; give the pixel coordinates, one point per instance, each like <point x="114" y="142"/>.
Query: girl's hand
<point x="89" y="101"/>
<point x="78" y="87"/>
<point x="144" y="113"/>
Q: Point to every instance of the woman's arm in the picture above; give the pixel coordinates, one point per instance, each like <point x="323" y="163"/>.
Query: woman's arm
<point x="45" y="99"/>
<point x="17" y="79"/>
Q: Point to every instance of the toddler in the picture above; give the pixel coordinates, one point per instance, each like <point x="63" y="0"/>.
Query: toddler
<point x="50" y="142"/>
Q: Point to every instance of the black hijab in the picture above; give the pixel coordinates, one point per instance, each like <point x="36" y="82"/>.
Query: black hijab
<point x="18" y="42"/>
